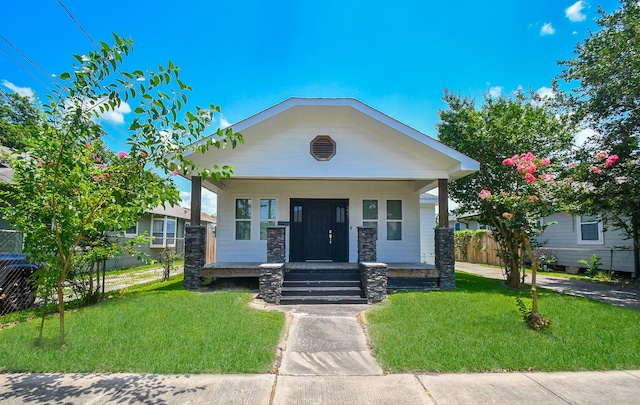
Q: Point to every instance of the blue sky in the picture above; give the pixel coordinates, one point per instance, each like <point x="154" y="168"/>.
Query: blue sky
<point x="249" y="55"/>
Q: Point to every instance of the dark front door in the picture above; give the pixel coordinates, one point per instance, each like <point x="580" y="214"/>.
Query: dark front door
<point x="319" y="230"/>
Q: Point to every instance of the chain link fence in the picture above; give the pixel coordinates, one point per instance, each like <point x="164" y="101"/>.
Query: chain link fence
<point x="17" y="291"/>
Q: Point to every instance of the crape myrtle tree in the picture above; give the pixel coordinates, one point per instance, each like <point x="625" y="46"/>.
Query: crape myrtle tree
<point x="501" y="127"/>
<point x="69" y="186"/>
<point x="604" y="76"/>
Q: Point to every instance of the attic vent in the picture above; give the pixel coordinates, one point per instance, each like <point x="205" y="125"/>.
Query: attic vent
<point x="323" y="148"/>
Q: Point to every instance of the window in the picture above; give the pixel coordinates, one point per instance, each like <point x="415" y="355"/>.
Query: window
<point x="267" y="216"/>
<point x="370" y="214"/>
<point x="163" y="231"/>
<point x="132" y="231"/>
<point x="394" y="219"/>
<point x="590" y="230"/>
<point x="243" y="219"/>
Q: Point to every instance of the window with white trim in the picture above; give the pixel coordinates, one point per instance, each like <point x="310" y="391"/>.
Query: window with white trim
<point x="267" y="215"/>
<point x="394" y="219"/>
<point x="243" y="219"/>
<point x="163" y="232"/>
<point x="590" y="230"/>
<point x="132" y="231"/>
<point x="370" y="214"/>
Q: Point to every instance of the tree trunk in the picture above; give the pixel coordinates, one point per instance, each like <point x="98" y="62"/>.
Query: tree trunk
<point x="61" y="309"/>
<point x="534" y="272"/>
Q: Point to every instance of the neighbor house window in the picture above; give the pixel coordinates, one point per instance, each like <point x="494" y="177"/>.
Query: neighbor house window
<point x="267" y="215"/>
<point x="394" y="219"/>
<point x="132" y="231"/>
<point x="243" y="219"/>
<point x="590" y="230"/>
<point x="370" y="214"/>
<point x="163" y="231"/>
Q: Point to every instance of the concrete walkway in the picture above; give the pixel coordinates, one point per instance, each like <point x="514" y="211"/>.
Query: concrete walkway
<point x="326" y="360"/>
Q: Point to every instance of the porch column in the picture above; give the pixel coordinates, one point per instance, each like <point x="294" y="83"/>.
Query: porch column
<point x="196" y="200"/>
<point x="195" y="240"/>
<point x="367" y="248"/>
<point x="276" y="244"/>
<point x="445" y="255"/>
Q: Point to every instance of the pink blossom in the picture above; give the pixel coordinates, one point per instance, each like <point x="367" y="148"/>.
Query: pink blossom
<point x="102" y="165"/>
<point x="105" y="174"/>
<point x="508" y="162"/>
<point x="595" y="169"/>
<point x="530" y="178"/>
<point x="88" y="144"/>
<point x="534" y="198"/>
<point x="545" y="162"/>
<point x="123" y="154"/>
<point x="572" y="165"/>
<point x="484" y="194"/>
<point x="611" y="160"/>
<point x="39" y="163"/>
<point x="507" y="215"/>
<point x="530" y="169"/>
<point x="175" y="172"/>
<point x="144" y="154"/>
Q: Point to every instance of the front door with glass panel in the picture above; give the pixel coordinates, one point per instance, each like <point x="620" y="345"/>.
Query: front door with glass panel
<point x="319" y="230"/>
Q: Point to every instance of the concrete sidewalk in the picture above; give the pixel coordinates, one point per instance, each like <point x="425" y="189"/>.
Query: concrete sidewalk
<point x="611" y="294"/>
<point x="326" y="360"/>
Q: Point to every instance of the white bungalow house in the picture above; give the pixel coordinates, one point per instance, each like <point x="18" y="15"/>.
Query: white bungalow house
<point x="322" y="167"/>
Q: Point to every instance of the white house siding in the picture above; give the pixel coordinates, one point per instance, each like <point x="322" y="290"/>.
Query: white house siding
<point x="254" y="250"/>
<point x="561" y="241"/>
<point x="427" y="233"/>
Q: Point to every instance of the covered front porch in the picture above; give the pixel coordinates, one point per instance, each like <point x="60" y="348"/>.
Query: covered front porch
<point x="365" y="281"/>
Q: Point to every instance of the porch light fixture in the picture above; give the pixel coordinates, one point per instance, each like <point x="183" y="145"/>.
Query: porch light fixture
<point x="323" y="148"/>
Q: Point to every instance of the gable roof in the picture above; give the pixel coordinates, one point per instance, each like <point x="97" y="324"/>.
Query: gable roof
<point x="421" y="156"/>
<point x="177" y="211"/>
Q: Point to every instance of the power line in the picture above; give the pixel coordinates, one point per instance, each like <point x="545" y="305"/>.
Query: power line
<point x="78" y="24"/>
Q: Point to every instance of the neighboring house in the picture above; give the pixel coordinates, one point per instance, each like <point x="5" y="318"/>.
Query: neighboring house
<point x="322" y="168"/>
<point x="10" y="239"/>
<point x="572" y="238"/>
<point x="578" y="237"/>
<point x="166" y="227"/>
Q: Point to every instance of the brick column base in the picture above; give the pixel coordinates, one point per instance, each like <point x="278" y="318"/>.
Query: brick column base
<point x="445" y="258"/>
<point x="195" y="240"/>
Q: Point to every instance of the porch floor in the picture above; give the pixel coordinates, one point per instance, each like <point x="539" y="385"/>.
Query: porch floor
<point x="252" y="269"/>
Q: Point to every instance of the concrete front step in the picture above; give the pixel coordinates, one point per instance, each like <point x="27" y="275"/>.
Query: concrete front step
<point x="322" y="286"/>
<point x="327" y="299"/>
<point x="322" y="291"/>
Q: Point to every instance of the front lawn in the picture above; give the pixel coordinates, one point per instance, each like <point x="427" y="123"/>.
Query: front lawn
<point x="159" y="329"/>
<point x="478" y="328"/>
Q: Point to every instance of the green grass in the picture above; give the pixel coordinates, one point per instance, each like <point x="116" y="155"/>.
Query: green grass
<point x="478" y="328"/>
<point x="156" y="328"/>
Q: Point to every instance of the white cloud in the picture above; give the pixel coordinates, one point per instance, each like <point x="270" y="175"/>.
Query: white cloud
<point x="584" y="134"/>
<point x="223" y="122"/>
<point x="116" y="116"/>
<point x="574" y="12"/>
<point x="209" y="203"/>
<point x="495" y="91"/>
<point x="546" y="93"/>
<point x="22" y="91"/>
<point x="547" y="29"/>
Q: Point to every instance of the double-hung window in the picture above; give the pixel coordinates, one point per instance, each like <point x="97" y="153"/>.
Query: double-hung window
<point x="590" y="230"/>
<point x="370" y="214"/>
<point x="267" y="215"/>
<point x="132" y="231"/>
<point x="163" y="231"/>
<point x="394" y="219"/>
<point x="243" y="219"/>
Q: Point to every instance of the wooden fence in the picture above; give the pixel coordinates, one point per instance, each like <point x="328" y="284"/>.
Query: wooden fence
<point x="480" y="249"/>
